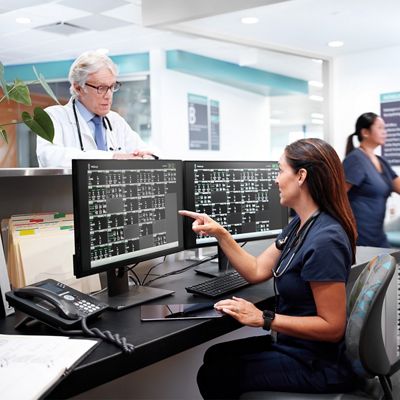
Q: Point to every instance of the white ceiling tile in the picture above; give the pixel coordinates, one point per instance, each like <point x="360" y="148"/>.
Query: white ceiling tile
<point x="96" y="6"/>
<point x="40" y="15"/>
<point x="130" y="12"/>
<point x="15" y="4"/>
<point x="98" y="22"/>
<point x="301" y="25"/>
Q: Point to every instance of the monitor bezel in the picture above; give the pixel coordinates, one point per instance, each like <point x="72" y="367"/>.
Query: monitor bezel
<point x="190" y="237"/>
<point x="81" y="214"/>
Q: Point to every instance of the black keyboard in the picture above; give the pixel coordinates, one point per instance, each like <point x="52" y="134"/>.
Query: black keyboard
<point x="219" y="286"/>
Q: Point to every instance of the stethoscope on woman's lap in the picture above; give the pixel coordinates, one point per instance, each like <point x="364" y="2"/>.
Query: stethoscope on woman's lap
<point x="78" y="128"/>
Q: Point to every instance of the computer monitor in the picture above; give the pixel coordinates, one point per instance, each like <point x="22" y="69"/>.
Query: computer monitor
<point x="241" y="195"/>
<point x="125" y="211"/>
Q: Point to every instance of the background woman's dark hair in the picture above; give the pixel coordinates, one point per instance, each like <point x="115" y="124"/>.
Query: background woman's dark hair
<point x="364" y="121"/>
<point x="325" y="179"/>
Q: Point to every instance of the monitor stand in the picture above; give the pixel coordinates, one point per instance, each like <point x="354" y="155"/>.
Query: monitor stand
<point x="197" y="256"/>
<point x="215" y="269"/>
<point x="121" y="295"/>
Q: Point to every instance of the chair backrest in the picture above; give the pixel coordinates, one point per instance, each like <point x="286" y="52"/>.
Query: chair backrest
<point x="364" y="342"/>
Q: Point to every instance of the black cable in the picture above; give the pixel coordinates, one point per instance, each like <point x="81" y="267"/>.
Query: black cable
<point x="179" y="271"/>
<point x="151" y="269"/>
<point x="109" y="337"/>
<point x="134" y="276"/>
<point x="131" y="267"/>
<point x="134" y="279"/>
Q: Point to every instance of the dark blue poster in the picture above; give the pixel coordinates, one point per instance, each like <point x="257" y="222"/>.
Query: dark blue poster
<point x="390" y="112"/>
<point x="198" y="122"/>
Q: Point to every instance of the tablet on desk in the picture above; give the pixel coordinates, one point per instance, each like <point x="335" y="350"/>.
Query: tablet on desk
<point x="160" y="312"/>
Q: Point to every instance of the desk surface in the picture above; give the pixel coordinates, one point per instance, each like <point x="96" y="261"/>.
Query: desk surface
<point x="156" y="340"/>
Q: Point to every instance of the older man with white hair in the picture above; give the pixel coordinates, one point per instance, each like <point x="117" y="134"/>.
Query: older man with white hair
<point x="86" y="127"/>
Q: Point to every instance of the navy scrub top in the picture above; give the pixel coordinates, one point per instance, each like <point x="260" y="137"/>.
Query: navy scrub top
<point x="368" y="196"/>
<point x="324" y="256"/>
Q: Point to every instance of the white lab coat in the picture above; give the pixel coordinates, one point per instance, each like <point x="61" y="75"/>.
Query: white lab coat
<point x="66" y="145"/>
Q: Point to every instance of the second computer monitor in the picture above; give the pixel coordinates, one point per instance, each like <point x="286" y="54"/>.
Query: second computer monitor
<point x="240" y="195"/>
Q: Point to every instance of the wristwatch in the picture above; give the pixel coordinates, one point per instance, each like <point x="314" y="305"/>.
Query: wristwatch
<point x="268" y="316"/>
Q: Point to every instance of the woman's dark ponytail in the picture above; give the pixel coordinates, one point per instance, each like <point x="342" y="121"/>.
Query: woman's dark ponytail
<point x="349" y="144"/>
<point x="364" y="121"/>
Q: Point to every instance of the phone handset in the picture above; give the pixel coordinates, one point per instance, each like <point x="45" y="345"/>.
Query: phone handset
<point x="65" y="308"/>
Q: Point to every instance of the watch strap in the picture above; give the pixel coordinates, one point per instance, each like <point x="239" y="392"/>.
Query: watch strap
<point x="268" y="316"/>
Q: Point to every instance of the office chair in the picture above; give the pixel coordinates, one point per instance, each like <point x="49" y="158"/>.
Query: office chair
<point x="364" y="342"/>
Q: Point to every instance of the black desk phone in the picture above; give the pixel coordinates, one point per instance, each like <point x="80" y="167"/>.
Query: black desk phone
<point x="56" y="304"/>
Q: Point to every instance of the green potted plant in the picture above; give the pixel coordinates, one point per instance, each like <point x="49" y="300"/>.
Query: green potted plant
<point x="39" y="122"/>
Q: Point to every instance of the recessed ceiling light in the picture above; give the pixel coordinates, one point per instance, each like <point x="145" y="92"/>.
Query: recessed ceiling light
<point x="274" y="121"/>
<point x="23" y="20"/>
<point x="317" y="60"/>
<point x="317" y="121"/>
<point x="103" y="50"/>
<point x="249" y="20"/>
<point x="317" y="115"/>
<point x="316" y="98"/>
<point x="335" y="43"/>
<point x="316" y="84"/>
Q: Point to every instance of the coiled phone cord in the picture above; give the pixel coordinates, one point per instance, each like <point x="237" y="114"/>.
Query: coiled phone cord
<point x="109" y="337"/>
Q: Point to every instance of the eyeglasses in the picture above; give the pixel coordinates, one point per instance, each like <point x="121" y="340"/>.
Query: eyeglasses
<point x="104" y="89"/>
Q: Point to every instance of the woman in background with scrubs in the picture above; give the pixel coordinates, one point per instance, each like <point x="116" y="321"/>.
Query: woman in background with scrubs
<point x="310" y="263"/>
<point x="369" y="179"/>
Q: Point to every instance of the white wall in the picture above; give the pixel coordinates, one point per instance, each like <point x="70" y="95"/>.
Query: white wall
<point x="244" y="116"/>
<point x="358" y="81"/>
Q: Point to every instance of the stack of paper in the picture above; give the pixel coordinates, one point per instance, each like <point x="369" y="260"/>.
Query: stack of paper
<point x="31" y="365"/>
<point x="41" y="246"/>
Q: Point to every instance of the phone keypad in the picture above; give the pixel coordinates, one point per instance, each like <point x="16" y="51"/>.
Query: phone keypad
<point x="86" y="307"/>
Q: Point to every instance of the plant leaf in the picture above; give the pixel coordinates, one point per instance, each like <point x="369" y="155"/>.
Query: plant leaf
<point x="45" y="85"/>
<point x="19" y="92"/>
<point x="3" y="83"/>
<point x="3" y="134"/>
<point x="40" y="123"/>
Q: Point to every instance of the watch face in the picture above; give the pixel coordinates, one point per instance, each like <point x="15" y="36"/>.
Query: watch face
<point x="268" y="316"/>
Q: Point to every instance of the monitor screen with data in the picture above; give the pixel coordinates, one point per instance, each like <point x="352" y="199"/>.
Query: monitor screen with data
<point x="125" y="211"/>
<point x="241" y="195"/>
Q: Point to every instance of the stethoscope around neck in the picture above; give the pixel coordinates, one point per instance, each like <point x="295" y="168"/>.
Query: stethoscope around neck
<point x="78" y="128"/>
<point x="292" y="240"/>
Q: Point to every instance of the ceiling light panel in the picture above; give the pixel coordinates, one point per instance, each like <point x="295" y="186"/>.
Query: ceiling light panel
<point x="249" y="20"/>
<point x="23" y="20"/>
<point x="335" y="43"/>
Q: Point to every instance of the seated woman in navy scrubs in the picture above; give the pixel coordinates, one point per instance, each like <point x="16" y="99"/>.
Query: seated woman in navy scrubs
<point x="370" y="180"/>
<point x="310" y="263"/>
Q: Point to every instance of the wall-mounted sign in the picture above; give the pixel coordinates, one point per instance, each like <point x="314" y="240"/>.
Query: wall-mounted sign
<point x="198" y="122"/>
<point x="214" y="124"/>
<point x="390" y="112"/>
<point x="203" y="116"/>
